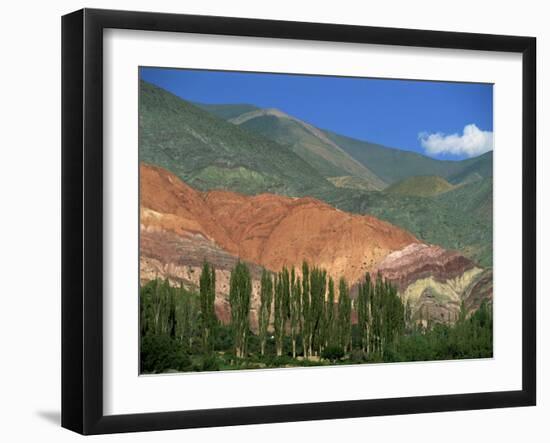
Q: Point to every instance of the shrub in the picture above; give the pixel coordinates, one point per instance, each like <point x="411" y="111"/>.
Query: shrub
<point x="160" y="353"/>
<point x="210" y="363"/>
<point x="333" y="353"/>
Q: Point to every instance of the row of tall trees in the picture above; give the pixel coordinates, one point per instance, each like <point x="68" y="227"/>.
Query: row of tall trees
<point x="170" y="323"/>
<point x="180" y="314"/>
<point x="170" y="311"/>
<point x="306" y="308"/>
<point x="302" y="312"/>
<point x="381" y="315"/>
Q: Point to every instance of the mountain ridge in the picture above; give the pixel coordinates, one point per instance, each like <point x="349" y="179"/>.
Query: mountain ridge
<point x="308" y="142"/>
<point x="209" y="152"/>
<point x="387" y="163"/>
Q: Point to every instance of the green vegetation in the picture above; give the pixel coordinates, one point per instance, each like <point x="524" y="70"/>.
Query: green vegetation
<point x="468" y="338"/>
<point x="326" y="151"/>
<point x="240" y="292"/>
<point x="227" y="112"/>
<point x="460" y="219"/>
<point x="474" y="169"/>
<point x="208" y="152"/>
<point x="421" y="186"/>
<point x="344" y="316"/>
<point x="309" y="327"/>
<point x="170" y="325"/>
<point x="443" y="202"/>
<point x="305" y="318"/>
<point x="313" y="146"/>
<point x="282" y="156"/>
<point x="295" y="313"/>
<point x="266" y="299"/>
<point x="393" y="165"/>
<point x="207" y="300"/>
<point x="351" y="182"/>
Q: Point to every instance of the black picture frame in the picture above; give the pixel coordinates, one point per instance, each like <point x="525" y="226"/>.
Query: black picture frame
<point x="82" y="218"/>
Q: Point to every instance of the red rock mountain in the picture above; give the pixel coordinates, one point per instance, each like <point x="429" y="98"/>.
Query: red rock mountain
<point x="182" y="227"/>
<point x="268" y="230"/>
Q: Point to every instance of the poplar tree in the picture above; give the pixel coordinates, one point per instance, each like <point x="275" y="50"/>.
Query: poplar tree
<point x="330" y="316"/>
<point x="163" y="307"/>
<point x="266" y="298"/>
<point x="295" y="309"/>
<point x="316" y="309"/>
<point x="408" y="314"/>
<point x="284" y="310"/>
<point x="363" y="311"/>
<point x="157" y="307"/>
<point x="240" y="292"/>
<point x="385" y="317"/>
<point x="376" y="317"/>
<point x="169" y="311"/>
<point x="187" y="316"/>
<point x="344" y="315"/>
<point x="172" y="322"/>
<point x="285" y="280"/>
<point x="279" y="320"/>
<point x="207" y="292"/>
<point x="306" y="316"/>
<point x="395" y="314"/>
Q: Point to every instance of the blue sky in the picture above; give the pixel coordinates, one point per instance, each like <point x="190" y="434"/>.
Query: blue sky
<point x="441" y="119"/>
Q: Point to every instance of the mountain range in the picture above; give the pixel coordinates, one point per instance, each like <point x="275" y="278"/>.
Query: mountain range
<point x="421" y="194"/>
<point x="182" y="227"/>
<point x="384" y="165"/>
<point x="229" y="182"/>
<point x="208" y="152"/>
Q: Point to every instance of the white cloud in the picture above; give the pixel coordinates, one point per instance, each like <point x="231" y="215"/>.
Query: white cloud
<point x="471" y="143"/>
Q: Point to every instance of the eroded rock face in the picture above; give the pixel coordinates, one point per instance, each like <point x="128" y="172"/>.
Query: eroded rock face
<point x="181" y="228"/>
<point x="270" y="230"/>
<point x="435" y="281"/>
<point x="164" y="254"/>
<point x="481" y="290"/>
<point x="418" y="261"/>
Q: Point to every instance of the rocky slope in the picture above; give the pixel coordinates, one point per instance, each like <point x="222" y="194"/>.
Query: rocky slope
<point x="165" y="254"/>
<point x="270" y="230"/>
<point x="182" y="227"/>
<point x="435" y="281"/>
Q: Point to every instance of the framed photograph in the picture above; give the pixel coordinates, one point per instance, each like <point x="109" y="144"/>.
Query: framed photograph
<point x="269" y="221"/>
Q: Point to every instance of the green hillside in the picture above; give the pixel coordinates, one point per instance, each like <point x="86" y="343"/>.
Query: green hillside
<point x="227" y="111"/>
<point x="474" y="169"/>
<point x="460" y="219"/>
<point x="305" y="140"/>
<point x="272" y="152"/>
<point x="393" y="165"/>
<point x="335" y="155"/>
<point x="351" y="182"/>
<point x="209" y="152"/>
<point x="421" y="186"/>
